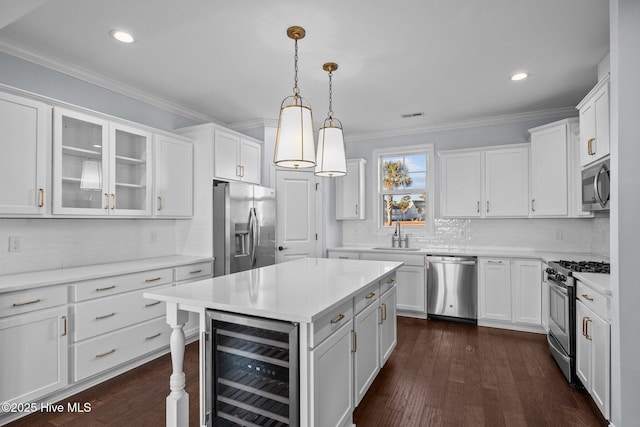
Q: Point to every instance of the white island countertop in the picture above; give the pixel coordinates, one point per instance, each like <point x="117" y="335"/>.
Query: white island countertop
<point x="297" y="291"/>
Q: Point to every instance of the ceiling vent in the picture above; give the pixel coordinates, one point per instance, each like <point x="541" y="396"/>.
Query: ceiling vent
<point x="407" y="116"/>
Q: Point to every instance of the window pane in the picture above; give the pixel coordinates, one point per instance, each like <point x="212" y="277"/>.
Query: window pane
<point x="404" y="171"/>
<point x="409" y="209"/>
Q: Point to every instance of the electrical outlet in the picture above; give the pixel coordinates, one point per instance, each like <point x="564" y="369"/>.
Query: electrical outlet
<point x="558" y="234"/>
<point x="15" y="243"/>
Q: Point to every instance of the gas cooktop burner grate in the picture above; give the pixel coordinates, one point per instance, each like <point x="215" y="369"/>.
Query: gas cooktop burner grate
<point x="586" y="266"/>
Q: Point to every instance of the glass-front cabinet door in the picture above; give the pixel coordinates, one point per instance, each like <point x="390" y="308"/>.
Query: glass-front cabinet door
<point x="99" y="167"/>
<point x="80" y="172"/>
<point x="130" y="171"/>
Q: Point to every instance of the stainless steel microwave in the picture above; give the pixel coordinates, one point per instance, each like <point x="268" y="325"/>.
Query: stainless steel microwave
<point x="595" y="187"/>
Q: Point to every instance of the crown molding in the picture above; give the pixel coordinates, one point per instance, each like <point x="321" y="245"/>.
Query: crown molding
<point x="551" y="114"/>
<point x="97" y="79"/>
<point x="253" y="124"/>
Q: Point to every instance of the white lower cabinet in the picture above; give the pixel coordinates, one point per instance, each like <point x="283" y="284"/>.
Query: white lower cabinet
<point x="593" y="347"/>
<point x="510" y="293"/>
<point x="332" y="369"/>
<point x="33" y="355"/>
<point x="494" y="289"/>
<point x="412" y="290"/>
<point x="411" y="282"/>
<point x="388" y="325"/>
<point x="95" y="355"/>
<point x="366" y="344"/>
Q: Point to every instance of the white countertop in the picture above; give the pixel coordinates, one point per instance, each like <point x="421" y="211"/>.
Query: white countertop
<point x="599" y="282"/>
<point x="15" y="282"/>
<point x="480" y="251"/>
<point x="297" y="291"/>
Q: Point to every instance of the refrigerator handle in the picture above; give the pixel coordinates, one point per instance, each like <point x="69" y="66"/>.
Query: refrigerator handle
<point x="253" y="236"/>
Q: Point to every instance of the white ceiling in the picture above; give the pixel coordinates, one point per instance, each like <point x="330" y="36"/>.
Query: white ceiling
<point x="231" y="61"/>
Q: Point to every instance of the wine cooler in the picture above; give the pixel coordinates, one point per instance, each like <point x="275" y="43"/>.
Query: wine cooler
<point x="251" y="372"/>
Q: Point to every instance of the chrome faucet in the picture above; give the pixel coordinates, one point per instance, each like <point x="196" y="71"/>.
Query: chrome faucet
<point x="397" y="237"/>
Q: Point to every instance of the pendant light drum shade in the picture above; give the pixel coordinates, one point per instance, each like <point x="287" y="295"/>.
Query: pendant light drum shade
<point x="331" y="159"/>
<point x="295" y="146"/>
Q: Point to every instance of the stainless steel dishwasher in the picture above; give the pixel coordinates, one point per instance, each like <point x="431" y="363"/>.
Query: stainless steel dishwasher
<point x="452" y="288"/>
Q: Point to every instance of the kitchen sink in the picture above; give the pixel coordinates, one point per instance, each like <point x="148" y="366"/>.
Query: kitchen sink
<point x="397" y="249"/>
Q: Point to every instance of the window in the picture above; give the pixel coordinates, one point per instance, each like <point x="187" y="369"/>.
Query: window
<point x="405" y="187"/>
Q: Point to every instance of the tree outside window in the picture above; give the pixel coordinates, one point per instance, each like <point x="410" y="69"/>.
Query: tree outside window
<point x="404" y="196"/>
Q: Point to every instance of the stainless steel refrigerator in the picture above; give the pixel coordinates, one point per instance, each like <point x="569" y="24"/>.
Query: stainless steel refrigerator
<point x="244" y="227"/>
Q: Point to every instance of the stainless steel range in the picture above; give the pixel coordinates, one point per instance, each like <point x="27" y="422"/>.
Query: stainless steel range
<point x="562" y="311"/>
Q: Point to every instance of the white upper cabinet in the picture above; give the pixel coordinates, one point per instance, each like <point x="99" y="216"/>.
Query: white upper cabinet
<point x="489" y="182"/>
<point x="236" y="158"/>
<point x="350" y="191"/>
<point x="507" y="182"/>
<point x="460" y="184"/>
<point x="549" y="169"/>
<point x="99" y="167"/>
<point x="25" y="135"/>
<point x="594" y="123"/>
<point x="173" y="168"/>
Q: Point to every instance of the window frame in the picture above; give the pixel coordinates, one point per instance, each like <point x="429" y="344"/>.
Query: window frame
<point x="429" y="150"/>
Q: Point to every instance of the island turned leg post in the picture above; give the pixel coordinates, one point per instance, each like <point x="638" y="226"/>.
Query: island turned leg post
<point x="178" y="399"/>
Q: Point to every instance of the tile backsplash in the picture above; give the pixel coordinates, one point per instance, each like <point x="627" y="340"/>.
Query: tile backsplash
<point x="563" y="235"/>
<point x="58" y="243"/>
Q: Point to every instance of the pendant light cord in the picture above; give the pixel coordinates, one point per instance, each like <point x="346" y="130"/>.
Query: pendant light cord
<point x="296" y="91"/>
<point x="330" y="96"/>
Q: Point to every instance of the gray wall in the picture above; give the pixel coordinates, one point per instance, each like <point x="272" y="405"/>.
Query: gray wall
<point x="625" y="227"/>
<point x="25" y="75"/>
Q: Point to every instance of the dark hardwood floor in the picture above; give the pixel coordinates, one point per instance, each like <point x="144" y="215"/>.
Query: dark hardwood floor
<point x="449" y="374"/>
<point x="441" y="374"/>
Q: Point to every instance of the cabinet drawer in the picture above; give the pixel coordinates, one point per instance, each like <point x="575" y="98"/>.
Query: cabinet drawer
<point x="33" y="299"/>
<point x="417" y="260"/>
<point x="118" y="311"/>
<point x="598" y="303"/>
<point x="105" y="352"/>
<point x="387" y="283"/>
<point x="193" y="271"/>
<point x="366" y="297"/>
<point x="331" y="322"/>
<point x="82" y="291"/>
<point x="343" y="255"/>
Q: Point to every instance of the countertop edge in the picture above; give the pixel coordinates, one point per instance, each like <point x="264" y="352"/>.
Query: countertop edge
<point x="597" y="282"/>
<point x="38" y="279"/>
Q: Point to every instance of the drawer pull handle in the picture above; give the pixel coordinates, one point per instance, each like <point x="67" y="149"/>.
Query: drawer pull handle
<point x="151" y="304"/>
<point x="105" y="316"/>
<point x="371" y="295"/>
<point x="391" y="281"/>
<point x="105" y="354"/>
<point x="343" y="257"/>
<point x="105" y="289"/>
<point x="195" y="271"/>
<point x="494" y="262"/>
<point x="20" y="304"/>
<point x="155" y="279"/>
<point x="338" y="319"/>
<point x="153" y="336"/>
<point x="587" y="297"/>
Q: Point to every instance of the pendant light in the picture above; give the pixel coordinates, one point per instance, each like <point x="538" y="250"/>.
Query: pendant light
<point x="330" y="158"/>
<point x="295" y="147"/>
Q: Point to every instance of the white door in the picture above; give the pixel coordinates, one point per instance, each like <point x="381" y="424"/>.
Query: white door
<point x="494" y="289"/>
<point x="411" y="289"/>
<point x="296" y="211"/>
<point x="507" y="182"/>
<point x="460" y="185"/>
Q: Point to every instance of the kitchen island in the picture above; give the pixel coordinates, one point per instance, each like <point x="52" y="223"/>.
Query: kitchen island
<point x="332" y="302"/>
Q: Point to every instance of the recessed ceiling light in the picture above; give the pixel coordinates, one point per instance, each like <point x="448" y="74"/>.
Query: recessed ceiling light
<point x="519" y="76"/>
<point x="122" y="36"/>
